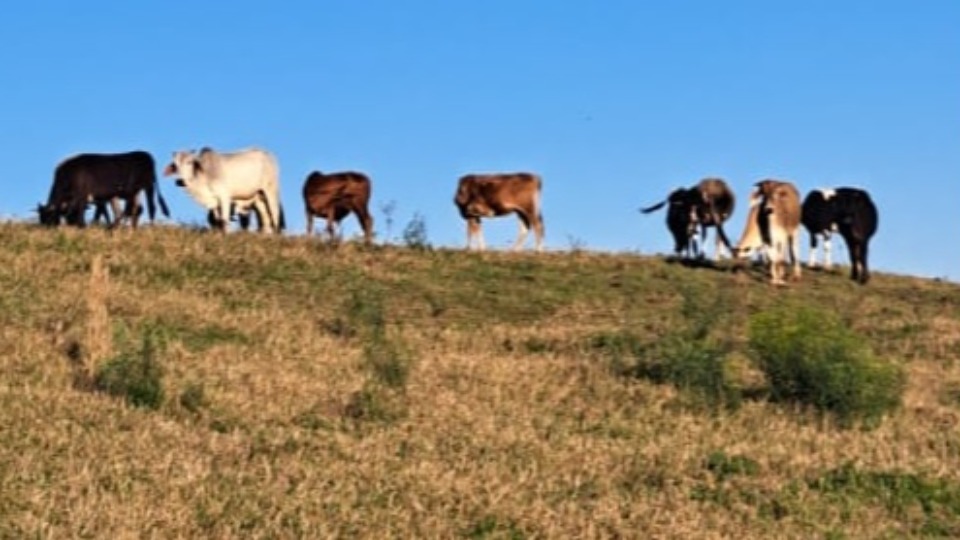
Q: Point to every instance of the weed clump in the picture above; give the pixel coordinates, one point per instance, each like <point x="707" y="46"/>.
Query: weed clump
<point x="812" y="358"/>
<point x="415" y="233"/>
<point x="135" y="376"/>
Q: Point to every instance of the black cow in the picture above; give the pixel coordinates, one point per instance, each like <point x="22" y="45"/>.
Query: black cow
<point x="101" y="178"/>
<point x="707" y="204"/>
<point x="849" y="211"/>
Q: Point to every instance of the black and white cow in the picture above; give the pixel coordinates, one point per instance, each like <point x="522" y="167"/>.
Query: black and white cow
<point x="707" y="204"/>
<point x="849" y="211"/>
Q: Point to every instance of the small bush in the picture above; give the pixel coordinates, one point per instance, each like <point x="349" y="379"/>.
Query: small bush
<point x="812" y="358"/>
<point x="415" y="233"/>
<point x="136" y="376"/>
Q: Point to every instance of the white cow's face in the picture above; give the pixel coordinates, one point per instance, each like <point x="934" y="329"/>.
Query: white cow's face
<point x="185" y="166"/>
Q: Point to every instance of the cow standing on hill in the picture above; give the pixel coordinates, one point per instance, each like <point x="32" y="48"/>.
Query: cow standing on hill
<point x="491" y="195"/>
<point x="99" y="179"/>
<point x="708" y="204"/>
<point x="851" y="212"/>
<point x="773" y="227"/>
<point x="333" y="196"/>
<point x="231" y="182"/>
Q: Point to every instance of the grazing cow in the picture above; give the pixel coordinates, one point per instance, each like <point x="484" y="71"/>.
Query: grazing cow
<point x="101" y="178"/>
<point x="707" y="204"/>
<point x="491" y="195"/>
<point x="333" y="196"/>
<point x="849" y="211"/>
<point x="773" y="227"/>
<point x="227" y="182"/>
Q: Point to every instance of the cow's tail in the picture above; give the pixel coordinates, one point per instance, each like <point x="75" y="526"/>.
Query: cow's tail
<point x="283" y="220"/>
<point x="163" y="203"/>
<point x="653" y="208"/>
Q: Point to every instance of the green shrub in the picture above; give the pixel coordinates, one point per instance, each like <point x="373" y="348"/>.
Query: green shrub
<point x="135" y="376"/>
<point x="812" y="358"/>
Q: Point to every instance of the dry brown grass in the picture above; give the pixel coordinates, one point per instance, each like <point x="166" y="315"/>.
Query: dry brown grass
<point x="509" y="425"/>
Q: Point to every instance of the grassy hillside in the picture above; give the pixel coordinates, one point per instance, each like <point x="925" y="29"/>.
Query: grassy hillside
<point x="310" y="392"/>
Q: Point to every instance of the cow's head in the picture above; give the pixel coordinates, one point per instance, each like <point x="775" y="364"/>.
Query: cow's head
<point x="753" y="242"/>
<point x="185" y="166"/>
<point x="48" y="215"/>
<point x="465" y="192"/>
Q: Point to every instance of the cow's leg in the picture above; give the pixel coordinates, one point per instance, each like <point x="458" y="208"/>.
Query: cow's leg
<point x="309" y="221"/>
<point x="717" y="246"/>
<point x="259" y="208"/>
<point x="224" y="218"/>
<point x="273" y="211"/>
<point x="794" y="243"/>
<point x="115" y="207"/>
<point x="538" y="231"/>
<point x="474" y="233"/>
<point x="524" y="230"/>
<point x="366" y="223"/>
<point x="827" y="262"/>
<point x="76" y="213"/>
<point x="331" y="219"/>
<point x="864" y="271"/>
<point x="134" y="210"/>
<point x="812" y="255"/>
<point x="855" y="248"/>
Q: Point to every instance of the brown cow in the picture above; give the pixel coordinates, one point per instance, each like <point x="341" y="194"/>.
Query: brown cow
<point x="333" y="196"/>
<point x="773" y="227"/>
<point x="491" y="195"/>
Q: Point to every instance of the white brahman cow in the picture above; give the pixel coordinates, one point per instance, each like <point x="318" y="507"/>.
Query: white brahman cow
<point x="245" y="178"/>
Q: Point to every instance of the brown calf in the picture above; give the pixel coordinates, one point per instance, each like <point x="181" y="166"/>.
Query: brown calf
<point x="773" y="226"/>
<point x="333" y="196"/>
<point x="492" y="195"/>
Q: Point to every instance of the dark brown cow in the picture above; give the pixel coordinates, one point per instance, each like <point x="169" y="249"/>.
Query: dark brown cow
<point x="333" y="196"/>
<point x="491" y="195"/>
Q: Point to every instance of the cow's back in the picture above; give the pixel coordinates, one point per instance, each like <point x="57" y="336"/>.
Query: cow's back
<point x="247" y="171"/>
<point x="856" y="211"/>
<point x="103" y="175"/>
<point x="501" y="193"/>
<point x="320" y="190"/>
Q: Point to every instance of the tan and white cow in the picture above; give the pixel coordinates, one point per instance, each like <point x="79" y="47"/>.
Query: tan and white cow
<point x="491" y="195"/>
<point x="773" y="228"/>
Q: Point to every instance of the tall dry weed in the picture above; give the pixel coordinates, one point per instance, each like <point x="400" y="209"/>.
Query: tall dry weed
<point x="98" y="342"/>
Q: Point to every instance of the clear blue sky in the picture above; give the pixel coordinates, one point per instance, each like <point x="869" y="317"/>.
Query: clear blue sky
<point x="613" y="102"/>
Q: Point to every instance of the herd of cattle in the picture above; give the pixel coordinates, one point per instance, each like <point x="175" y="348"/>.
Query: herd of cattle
<point x="772" y="227"/>
<point x="245" y="183"/>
